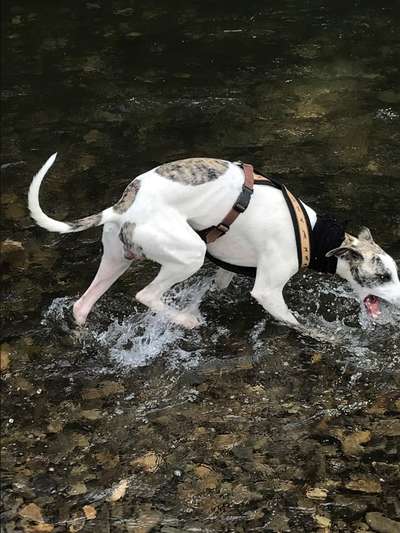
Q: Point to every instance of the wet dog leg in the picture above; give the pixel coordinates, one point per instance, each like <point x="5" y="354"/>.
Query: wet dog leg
<point x="113" y="264"/>
<point x="268" y="288"/>
<point x="180" y="251"/>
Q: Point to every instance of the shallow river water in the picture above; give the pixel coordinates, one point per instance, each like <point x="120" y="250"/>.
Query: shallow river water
<point x="133" y="424"/>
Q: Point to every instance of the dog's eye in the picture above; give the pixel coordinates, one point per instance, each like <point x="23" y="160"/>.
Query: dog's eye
<point x="384" y="277"/>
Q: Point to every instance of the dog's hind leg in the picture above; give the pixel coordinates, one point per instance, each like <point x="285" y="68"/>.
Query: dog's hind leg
<point x="113" y="264"/>
<point x="179" y="250"/>
<point x="223" y="278"/>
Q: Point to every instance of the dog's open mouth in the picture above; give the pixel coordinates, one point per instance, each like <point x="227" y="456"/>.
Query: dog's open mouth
<point x="372" y="305"/>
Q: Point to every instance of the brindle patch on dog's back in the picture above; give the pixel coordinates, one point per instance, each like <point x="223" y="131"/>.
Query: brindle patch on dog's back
<point x="127" y="197"/>
<point x="193" y="171"/>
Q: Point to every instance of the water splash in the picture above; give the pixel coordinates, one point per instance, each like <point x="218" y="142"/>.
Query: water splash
<point x="330" y="316"/>
<point x="370" y="345"/>
<point x="140" y="337"/>
<point x="387" y="114"/>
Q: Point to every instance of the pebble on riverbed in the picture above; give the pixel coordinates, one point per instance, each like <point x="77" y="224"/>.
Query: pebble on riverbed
<point x="5" y="357"/>
<point x="382" y="524"/>
<point x="367" y="485"/>
<point x="13" y="253"/>
<point x="149" y="462"/>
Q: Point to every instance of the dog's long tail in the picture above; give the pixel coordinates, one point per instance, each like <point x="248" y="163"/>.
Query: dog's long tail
<point x="55" y="225"/>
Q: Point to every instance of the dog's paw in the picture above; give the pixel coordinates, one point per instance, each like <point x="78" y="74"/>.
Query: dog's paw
<point x="187" y="320"/>
<point x="78" y="334"/>
<point x="79" y="317"/>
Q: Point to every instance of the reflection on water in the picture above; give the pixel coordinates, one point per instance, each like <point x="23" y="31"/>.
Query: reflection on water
<point x="133" y="424"/>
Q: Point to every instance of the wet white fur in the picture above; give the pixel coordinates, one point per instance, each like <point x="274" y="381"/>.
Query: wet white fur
<point x="33" y="201"/>
<point x="166" y="215"/>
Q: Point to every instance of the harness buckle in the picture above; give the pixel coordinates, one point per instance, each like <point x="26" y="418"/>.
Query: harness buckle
<point x="243" y="199"/>
<point x="223" y="228"/>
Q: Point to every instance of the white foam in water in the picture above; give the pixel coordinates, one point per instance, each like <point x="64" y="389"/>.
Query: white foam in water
<point x="141" y="337"/>
<point x="57" y="309"/>
<point x="370" y="344"/>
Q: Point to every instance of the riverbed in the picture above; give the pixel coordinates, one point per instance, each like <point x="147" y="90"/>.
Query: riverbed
<point x="133" y="424"/>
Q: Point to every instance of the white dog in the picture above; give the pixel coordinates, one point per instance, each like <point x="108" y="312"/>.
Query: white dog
<point x="161" y="211"/>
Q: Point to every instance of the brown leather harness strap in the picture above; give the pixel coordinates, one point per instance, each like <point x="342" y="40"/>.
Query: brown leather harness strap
<point x="212" y="234"/>
<point x="303" y="230"/>
<point x="300" y="220"/>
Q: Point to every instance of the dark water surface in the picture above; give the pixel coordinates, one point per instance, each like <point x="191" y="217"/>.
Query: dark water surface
<point x="244" y="424"/>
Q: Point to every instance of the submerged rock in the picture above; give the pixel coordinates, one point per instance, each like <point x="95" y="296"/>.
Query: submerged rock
<point x="226" y="441"/>
<point x="77" y="522"/>
<point x="351" y="444"/>
<point x="13" y="253"/>
<point x="31" y="512"/>
<point x="119" y="490"/>
<point x="4" y="357"/>
<point x="103" y="390"/>
<point x="368" y="485"/>
<point x="107" y="459"/>
<point x="208" y="478"/>
<point x="145" y="522"/>
<point x="91" y="414"/>
<point x="77" y="489"/>
<point x="387" y="428"/>
<point x="39" y="528"/>
<point x="382" y="524"/>
<point x="149" y="462"/>
<point x="323" y="521"/>
<point x="279" y="523"/>
<point x="317" y="494"/>
<point x="89" y="511"/>
<point x="351" y="506"/>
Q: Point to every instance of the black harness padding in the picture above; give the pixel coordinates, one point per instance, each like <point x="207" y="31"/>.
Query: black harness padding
<point x="249" y="272"/>
<point x="327" y="234"/>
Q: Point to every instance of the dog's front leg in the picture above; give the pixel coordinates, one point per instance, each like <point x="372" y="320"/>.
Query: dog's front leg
<point x="271" y="278"/>
<point x="273" y="302"/>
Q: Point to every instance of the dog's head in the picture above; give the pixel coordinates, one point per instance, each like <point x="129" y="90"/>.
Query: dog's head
<point x="371" y="272"/>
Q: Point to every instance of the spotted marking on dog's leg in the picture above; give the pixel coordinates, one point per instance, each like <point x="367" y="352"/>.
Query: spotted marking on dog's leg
<point x="193" y="171"/>
<point x="131" y="251"/>
<point x="127" y="198"/>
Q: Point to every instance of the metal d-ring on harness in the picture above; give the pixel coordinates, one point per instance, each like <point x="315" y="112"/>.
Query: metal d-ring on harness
<point x="300" y="220"/>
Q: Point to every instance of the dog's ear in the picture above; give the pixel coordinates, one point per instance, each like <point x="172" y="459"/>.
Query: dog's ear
<point x="345" y="252"/>
<point x="365" y="235"/>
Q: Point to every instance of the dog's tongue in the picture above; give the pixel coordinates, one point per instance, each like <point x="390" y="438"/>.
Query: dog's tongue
<point x="372" y="306"/>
